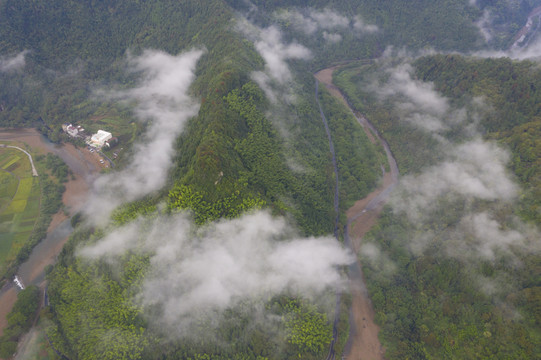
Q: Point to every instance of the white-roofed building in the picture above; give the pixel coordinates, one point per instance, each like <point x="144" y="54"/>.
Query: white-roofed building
<point x="99" y="138"/>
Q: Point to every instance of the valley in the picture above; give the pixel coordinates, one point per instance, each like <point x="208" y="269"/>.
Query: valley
<point x="387" y="209"/>
<point x="363" y="342"/>
<point x="45" y="253"/>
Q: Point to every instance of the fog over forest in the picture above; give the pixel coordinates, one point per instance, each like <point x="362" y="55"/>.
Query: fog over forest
<point x="251" y="209"/>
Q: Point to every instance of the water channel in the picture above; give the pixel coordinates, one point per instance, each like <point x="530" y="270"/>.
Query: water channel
<point x="32" y="271"/>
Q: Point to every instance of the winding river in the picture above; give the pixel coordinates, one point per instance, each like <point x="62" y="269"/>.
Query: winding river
<point x="32" y="271"/>
<point x="363" y="342"/>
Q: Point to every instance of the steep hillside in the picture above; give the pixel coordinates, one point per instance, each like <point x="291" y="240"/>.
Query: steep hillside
<point x="452" y="267"/>
<point x="240" y="152"/>
<point x="512" y="88"/>
<point x="201" y="245"/>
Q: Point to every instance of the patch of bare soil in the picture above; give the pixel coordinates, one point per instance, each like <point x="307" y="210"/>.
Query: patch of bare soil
<point x="325" y="76"/>
<point x="361" y="222"/>
<point x="26" y="135"/>
<point x="365" y="345"/>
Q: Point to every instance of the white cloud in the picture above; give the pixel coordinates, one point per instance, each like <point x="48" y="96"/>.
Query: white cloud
<point x="162" y="100"/>
<point x="378" y="260"/>
<point x="275" y="53"/>
<point x="361" y="26"/>
<point x="14" y="63"/>
<point x="332" y="37"/>
<point x="309" y="21"/>
<point x="483" y="24"/>
<point x="489" y="235"/>
<point x="299" y="22"/>
<point x="200" y="272"/>
<point x="329" y="19"/>
<point x="421" y="94"/>
<point x="474" y="170"/>
<point x="416" y="102"/>
<point x="276" y="80"/>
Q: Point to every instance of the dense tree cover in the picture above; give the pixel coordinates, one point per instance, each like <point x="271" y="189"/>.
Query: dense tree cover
<point x="356" y="81"/>
<point x="359" y="161"/>
<point x="130" y="211"/>
<point x="96" y="320"/>
<point x="57" y="167"/>
<point x="431" y="304"/>
<point x="184" y="197"/>
<point x="60" y="75"/>
<point x="230" y="159"/>
<point x="513" y="88"/>
<point x="432" y="307"/>
<point x="307" y="329"/>
<point x="240" y="152"/>
<point x="438" y="24"/>
<point x="19" y="319"/>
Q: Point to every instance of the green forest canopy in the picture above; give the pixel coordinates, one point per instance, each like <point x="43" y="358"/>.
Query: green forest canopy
<point x="430" y="305"/>
<point x="76" y="46"/>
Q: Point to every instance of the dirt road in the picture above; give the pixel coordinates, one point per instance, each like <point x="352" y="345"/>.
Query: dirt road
<point x="363" y="343"/>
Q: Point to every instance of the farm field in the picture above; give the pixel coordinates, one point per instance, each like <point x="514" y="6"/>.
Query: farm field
<point x="19" y="203"/>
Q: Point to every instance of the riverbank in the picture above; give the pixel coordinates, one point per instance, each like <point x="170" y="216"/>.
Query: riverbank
<point x="363" y="342"/>
<point x="84" y="167"/>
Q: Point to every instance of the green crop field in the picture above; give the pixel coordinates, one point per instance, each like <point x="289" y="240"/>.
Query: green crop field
<point x="19" y="203"/>
<point x="12" y="160"/>
<point x="8" y="188"/>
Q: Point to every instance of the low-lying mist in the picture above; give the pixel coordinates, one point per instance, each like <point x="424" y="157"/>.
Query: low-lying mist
<point x="13" y="63"/>
<point x="196" y="273"/>
<point x="460" y="206"/>
<point x="331" y="24"/>
<point x="161" y="101"/>
<point x="276" y="79"/>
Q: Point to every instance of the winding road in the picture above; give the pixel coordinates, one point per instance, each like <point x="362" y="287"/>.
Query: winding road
<point x="34" y="171"/>
<point x="363" y="342"/>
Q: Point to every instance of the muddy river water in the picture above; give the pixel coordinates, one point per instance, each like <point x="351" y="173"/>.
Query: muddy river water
<point x="85" y="168"/>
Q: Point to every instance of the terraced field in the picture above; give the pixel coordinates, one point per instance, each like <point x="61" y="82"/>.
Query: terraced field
<point x="19" y="203"/>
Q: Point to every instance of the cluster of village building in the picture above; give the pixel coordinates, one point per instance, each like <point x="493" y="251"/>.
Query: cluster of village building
<point x="98" y="140"/>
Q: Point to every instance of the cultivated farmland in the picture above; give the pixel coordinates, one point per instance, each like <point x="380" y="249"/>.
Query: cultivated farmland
<point x="19" y="203"/>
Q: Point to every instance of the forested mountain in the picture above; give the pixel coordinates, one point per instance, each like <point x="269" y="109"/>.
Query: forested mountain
<point x="249" y="173"/>
<point x="457" y="275"/>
